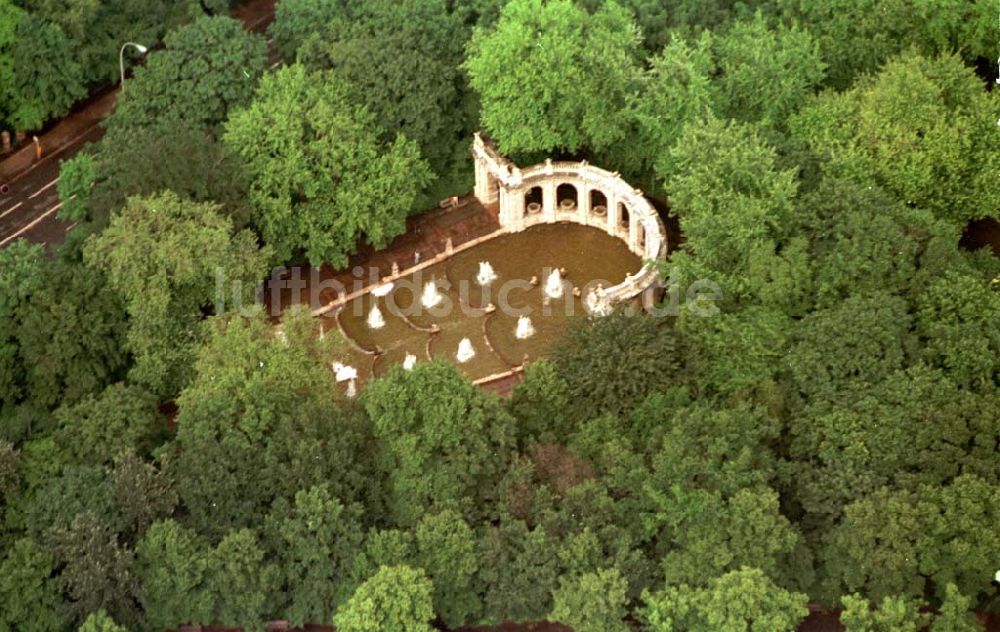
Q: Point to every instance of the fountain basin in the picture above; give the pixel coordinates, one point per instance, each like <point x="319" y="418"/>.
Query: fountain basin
<point x="587" y="253"/>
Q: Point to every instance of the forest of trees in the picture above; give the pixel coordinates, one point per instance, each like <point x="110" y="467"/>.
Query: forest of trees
<point x="828" y="438"/>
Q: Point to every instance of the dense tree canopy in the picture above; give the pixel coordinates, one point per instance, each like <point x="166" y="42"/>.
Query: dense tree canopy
<point x="205" y="69"/>
<point x="809" y="415"/>
<point x="165" y="257"/>
<point x="401" y="60"/>
<point x="321" y="177"/>
<point x="554" y="77"/>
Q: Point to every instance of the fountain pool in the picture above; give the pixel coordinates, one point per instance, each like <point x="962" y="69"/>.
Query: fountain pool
<point x="587" y="255"/>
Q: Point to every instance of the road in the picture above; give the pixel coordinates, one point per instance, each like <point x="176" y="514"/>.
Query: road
<point x="30" y="207"/>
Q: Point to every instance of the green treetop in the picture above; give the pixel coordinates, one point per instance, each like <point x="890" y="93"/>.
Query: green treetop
<point x="321" y="177"/>
<point x="554" y="77"/>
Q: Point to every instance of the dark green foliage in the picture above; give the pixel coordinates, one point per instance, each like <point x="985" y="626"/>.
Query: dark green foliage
<point x="29" y="597"/>
<point x="96" y="569"/>
<point x="316" y="161"/>
<point x="239" y="581"/>
<point x="916" y="543"/>
<point x="164" y="255"/>
<point x="170" y="566"/>
<point x="61" y="499"/>
<point x="766" y="72"/>
<point x="20" y="274"/>
<point x="48" y="77"/>
<point x="612" y="363"/>
<point x="206" y="69"/>
<point x="859" y="341"/>
<point x="732" y="201"/>
<point x="541" y="403"/>
<point x="444" y="442"/>
<point x="959" y="316"/>
<point x="914" y="427"/>
<point x="519" y="568"/>
<point x="401" y="59"/>
<point x="189" y="162"/>
<point x="99" y="428"/>
<point x="296" y="20"/>
<point x="142" y="493"/>
<point x="314" y="541"/>
<point x="260" y="420"/>
<point x="824" y="430"/>
<point x="71" y="335"/>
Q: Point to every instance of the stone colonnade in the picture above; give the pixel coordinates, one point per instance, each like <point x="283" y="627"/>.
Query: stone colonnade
<point x="573" y="192"/>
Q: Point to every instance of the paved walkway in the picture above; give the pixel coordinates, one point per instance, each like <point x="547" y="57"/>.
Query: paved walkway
<point x="426" y="236"/>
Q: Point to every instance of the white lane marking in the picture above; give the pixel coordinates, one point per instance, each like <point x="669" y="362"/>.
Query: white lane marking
<point x="11" y="209"/>
<point x="70" y="227"/>
<point x="39" y="191"/>
<point x="275" y="64"/>
<point x="31" y="225"/>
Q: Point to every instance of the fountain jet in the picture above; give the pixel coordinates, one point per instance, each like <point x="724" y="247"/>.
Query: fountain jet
<point x="554" y="285"/>
<point x="375" y="318"/>
<point x="383" y="290"/>
<point x="431" y="296"/>
<point x="486" y="274"/>
<point x="465" y="351"/>
<point x="524" y="328"/>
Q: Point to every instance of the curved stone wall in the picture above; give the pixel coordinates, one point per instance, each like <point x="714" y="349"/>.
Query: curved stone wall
<point x="574" y="192"/>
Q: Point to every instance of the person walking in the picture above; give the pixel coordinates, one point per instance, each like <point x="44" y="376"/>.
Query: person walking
<point x="38" y="147"/>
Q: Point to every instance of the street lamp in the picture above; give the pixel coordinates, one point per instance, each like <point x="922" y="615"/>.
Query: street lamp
<point x="121" y="57"/>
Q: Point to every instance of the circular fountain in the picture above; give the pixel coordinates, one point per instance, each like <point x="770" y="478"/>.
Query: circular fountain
<point x="486" y="274"/>
<point x="375" y="318"/>
<point x="525" y="329"/>
<point x="431" y="296"/>
<point x="465" y="351"/>
<point x="554" y="285"/>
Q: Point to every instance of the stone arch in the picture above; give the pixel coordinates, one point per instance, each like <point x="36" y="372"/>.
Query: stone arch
<point x="598" y="202"/>
<point x="567" y="197"/>
<point x="531" y="196"/>
<point x="533" y="200"/>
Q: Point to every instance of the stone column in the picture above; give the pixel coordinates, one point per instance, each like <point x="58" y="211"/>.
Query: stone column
<point x="515" y="207"/>
<point x="549" y="201"/>
<point x="583" y="203"/>
<point x="633" y="232"/>
<point x="612" y="203"/>
<point x="485" y="188"/>
<point x="504" y="215"/>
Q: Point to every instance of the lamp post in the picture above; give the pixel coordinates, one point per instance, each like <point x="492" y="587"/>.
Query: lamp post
<point x="121" y="57"/>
